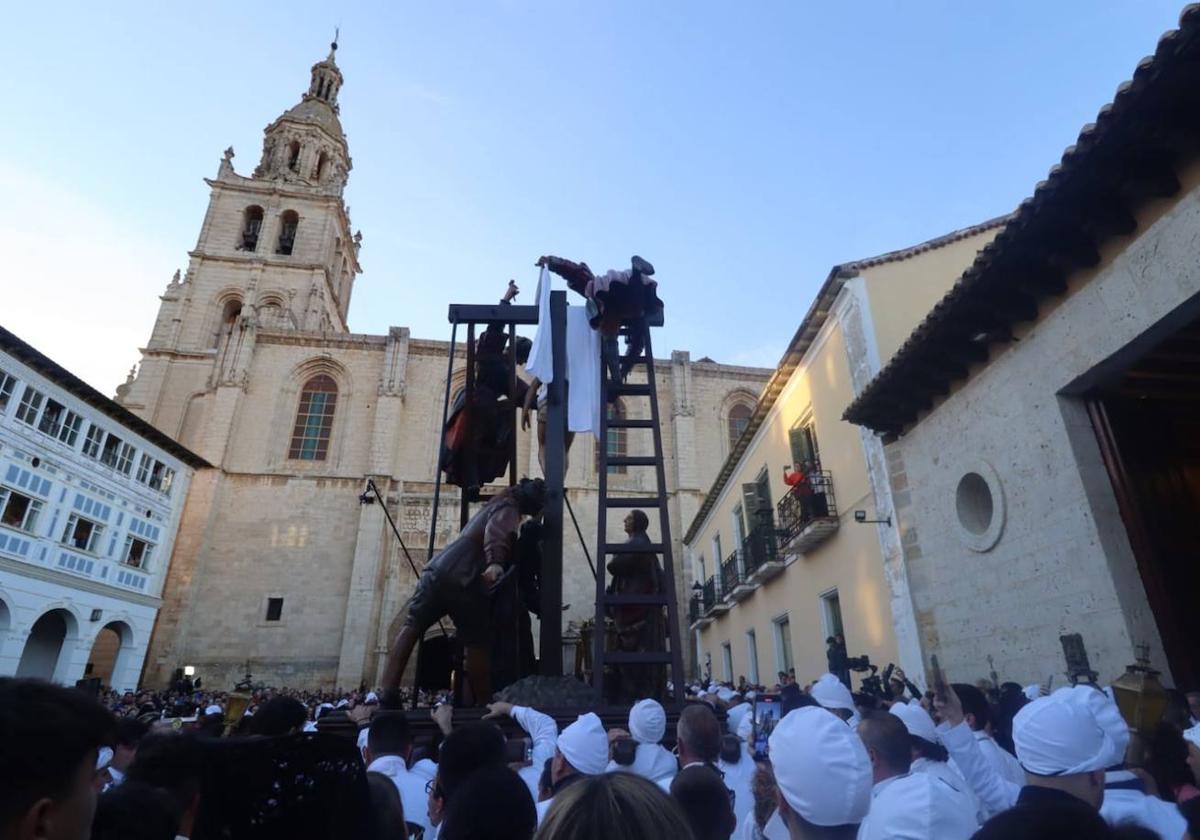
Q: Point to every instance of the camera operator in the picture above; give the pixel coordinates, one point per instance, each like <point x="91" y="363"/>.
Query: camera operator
<point x="836" y="658"/>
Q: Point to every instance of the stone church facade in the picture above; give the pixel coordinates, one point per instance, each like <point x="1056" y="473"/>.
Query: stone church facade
<point x="252" y="365"/>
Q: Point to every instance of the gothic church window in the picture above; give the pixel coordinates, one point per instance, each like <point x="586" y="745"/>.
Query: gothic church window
<point x="294" y="156"/>
<point x="319" y="169"/>
<point x="314" y="419"/>
<point x="289" y="221"/>
<point x="739" y="420"/>
<point x="229" y="315"/>
<point x="252" y="220"/>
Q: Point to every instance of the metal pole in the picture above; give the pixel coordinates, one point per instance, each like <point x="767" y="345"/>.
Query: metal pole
<point x="437" y="483"/>
<point x="550" y="637"/>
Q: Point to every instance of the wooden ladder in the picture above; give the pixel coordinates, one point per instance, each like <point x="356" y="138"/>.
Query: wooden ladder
<point x="673" y="656"/>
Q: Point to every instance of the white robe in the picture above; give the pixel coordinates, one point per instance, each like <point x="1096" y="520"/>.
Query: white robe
<point x="919" y="806"/>
<point x="1122" y="805"/>
<point x="651" y="761"/>
<point x="738" y="778"/>
<point x="947" y="773"/>
<point x="411" y="787"/>
<point x="543" y="731"/>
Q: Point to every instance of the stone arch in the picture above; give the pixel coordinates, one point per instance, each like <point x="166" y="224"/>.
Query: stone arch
<point x="225" y="311"/>
<point x="111" y="653"/>
<point x="50" y="645"/>
<point x="272" y="308"/>
<point x="736" y="410"/>
<point x="191" y="425"/>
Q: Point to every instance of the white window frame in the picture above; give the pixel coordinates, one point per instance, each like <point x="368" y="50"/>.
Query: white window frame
<point x="8" y="384"/>
<point x="778" y="625"/>
<point x="716" y="549"/>
<point x="727" y="660"/>
<point x="124" y="463"/>
<point x="29" y="520"/>
<point x="93" y="441"/>
<point x="738" y="520"/>
<point x="68" y="536"/>
<point x="143" y="563"/>
<point x="30" y="406"/>
<point x="827" y="612"/>
<point x="752" y="656"/>
<point x="145" y="465"/>
<point x="65" y="428"/>
<point x="113" y="444"/>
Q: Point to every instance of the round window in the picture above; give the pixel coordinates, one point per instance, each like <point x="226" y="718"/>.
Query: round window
<point x="979" y="505"/>
<point x="974" y="500"/>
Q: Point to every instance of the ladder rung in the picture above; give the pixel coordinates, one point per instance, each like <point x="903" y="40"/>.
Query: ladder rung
<point x="638" y="658"/>
<point x="633" y="548"/>
<point x="636" y="390"/>
<point x="635" y="600"/>
<point x="630" y="424"/>
<point x="632" y="460"/>
<point x="633" y="501"/>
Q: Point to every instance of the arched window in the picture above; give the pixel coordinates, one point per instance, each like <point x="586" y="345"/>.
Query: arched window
<point x="252" y="220"/>
<point x="319" y="169"/>
<point x="229" y="316"/>
<point x="617" y="441"/>
<point x="294" y="156"/>
<point x="288" y="222"/>
<point x="739" y="420"/>
<point x="314" y="419"/>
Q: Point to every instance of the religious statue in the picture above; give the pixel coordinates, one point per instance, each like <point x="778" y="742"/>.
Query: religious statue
<point x="615" y="298"/>
<point x="458" y="582"/>
<point x="641" y="628"/>
<point x="478" y="436"/>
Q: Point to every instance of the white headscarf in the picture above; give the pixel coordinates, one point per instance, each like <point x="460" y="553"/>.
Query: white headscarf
<point x="832" y="693"/>
<point x="745" y="727"/>
<point x="1074" y="730"/>
<point x="917" y="721"/>
<point x="104" y="757"/>
<point x="214" y="709"/>
<point x="1032" y="691"/>
<point x="1193" y="735"/>
<point x="821" y="767"/>
<point x="647" y="722"/>
<point x="585" y="745"/>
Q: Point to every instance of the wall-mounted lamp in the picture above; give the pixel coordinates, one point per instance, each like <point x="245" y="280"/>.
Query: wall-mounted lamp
<point x="860" y="516"/>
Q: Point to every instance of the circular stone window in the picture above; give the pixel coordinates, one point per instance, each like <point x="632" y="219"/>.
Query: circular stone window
<point x="979" y="504"/>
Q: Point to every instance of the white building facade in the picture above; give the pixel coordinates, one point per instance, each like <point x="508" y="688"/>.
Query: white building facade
<point x="90" y="501"/>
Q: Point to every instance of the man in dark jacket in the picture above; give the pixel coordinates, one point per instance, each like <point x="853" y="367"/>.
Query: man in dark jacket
<point x="640" y="627"/>
<point x="456" y="582"/>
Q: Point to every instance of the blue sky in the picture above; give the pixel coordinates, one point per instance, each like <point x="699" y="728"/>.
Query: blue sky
<point x="743" y="148"/>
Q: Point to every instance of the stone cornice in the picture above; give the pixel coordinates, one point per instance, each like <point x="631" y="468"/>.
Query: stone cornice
<point x="29" y="570"/>
<point x="341" y="341"/>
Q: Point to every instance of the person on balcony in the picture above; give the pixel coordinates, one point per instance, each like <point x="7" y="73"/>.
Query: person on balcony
<point x="800" y="480"/>
<point x="640" y="627"/>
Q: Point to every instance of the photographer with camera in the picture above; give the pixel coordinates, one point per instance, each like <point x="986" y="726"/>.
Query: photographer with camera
<point x="640" y="750"/>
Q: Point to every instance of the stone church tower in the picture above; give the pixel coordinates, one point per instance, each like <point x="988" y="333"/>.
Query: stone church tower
<point x="251" y="364"/>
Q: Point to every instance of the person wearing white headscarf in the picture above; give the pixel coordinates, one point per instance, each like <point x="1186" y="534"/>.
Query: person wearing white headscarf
<point x="832" y="694"/>
<point x="907" y="805"/>
<point x="580" y="750"/>
<point x="739" y="709"/>
<point x="1066" y="742"/>
<point x="929" y="755"/>
<point x="822" y="774"/>
<point x="542" y="731"/>
<point x="653" y="761"/>
<point x="738" y="768"/>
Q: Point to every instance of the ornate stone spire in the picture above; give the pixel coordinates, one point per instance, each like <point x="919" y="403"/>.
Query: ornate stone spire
<point x="306" y="144"/>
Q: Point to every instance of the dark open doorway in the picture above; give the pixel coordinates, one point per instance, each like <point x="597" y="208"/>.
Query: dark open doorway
<point x="1147" y="419"/>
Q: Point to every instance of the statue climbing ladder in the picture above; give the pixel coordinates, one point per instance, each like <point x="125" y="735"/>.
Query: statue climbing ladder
<point x="673" y="655"/>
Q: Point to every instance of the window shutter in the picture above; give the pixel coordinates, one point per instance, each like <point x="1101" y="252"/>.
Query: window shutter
<point x="801" y="442"/>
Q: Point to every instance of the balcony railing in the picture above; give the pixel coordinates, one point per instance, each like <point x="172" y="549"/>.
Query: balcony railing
<point x="734" y="585"/>
<point x="807" y="515"/>
<point x="712" y="595"/>
<point x="760" y="555"/>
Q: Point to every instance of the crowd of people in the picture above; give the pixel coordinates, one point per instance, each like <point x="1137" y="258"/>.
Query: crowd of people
<point x="962" y="761"/>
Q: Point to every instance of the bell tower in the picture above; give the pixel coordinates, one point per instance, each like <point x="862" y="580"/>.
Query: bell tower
<point x="276" y="253"/>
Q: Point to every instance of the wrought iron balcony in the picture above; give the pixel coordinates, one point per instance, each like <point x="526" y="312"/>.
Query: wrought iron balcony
<point x="760" y="556"/>
<point x="712" y="596"/>
<point x="807" y="515"/>
<point x="734" y="585"/>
